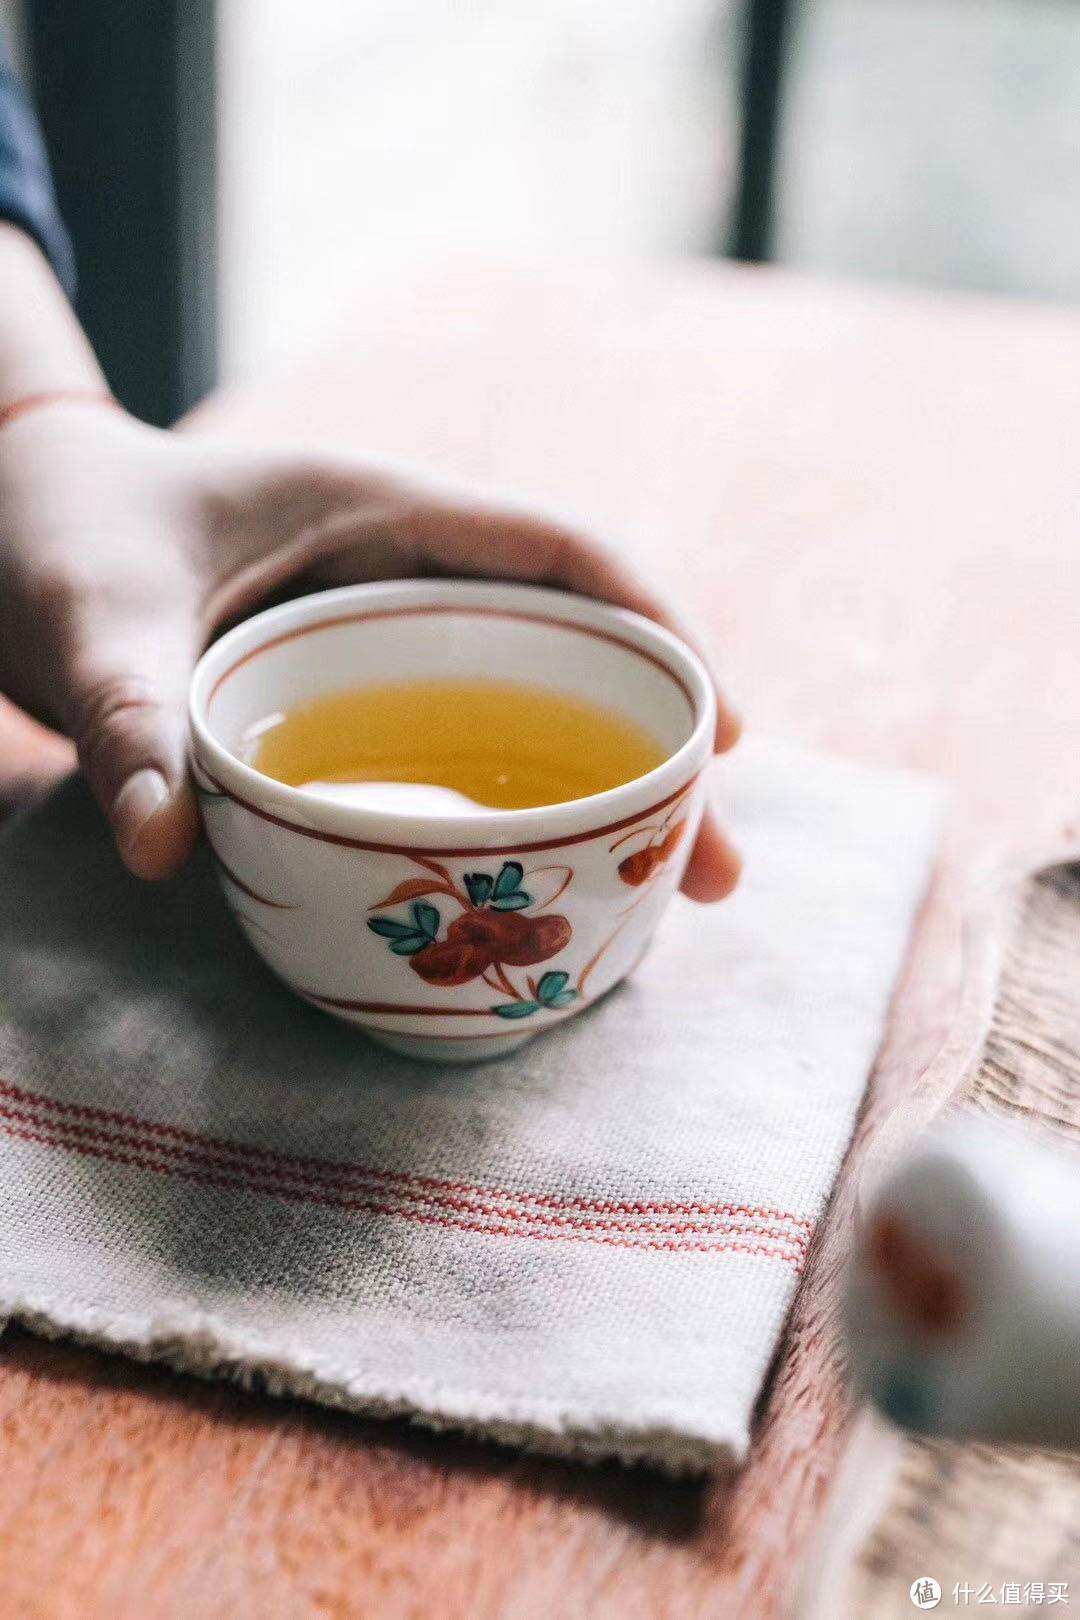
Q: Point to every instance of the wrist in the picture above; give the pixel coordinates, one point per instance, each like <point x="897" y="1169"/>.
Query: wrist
<point x="42" y="346"/>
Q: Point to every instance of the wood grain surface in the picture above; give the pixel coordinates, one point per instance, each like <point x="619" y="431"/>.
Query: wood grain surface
<point x="982" y="1516"/>
<point x="868" y="502"/>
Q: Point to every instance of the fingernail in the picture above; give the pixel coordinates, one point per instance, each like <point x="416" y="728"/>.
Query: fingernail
<point x="140" y="797"/>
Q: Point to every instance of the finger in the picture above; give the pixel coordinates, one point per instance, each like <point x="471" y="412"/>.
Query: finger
<point x="131" y="751"/>
<point x="714" y="866"/>
<point x="126" y="710"/>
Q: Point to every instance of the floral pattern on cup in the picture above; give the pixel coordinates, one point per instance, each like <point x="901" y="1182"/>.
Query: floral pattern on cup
<point x="489" y="934"/>
<point x="664" y="839"/>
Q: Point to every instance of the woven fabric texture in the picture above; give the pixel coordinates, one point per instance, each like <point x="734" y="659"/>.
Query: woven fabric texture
<point x="589" y="1247"/>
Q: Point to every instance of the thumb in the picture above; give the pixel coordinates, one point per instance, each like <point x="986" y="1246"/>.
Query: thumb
<point x="127" y="715"/>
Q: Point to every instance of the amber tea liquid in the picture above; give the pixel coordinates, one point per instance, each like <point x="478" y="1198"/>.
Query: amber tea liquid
<point x="434" y="745"/>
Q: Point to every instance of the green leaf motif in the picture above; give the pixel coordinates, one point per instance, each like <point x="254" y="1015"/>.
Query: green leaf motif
<point x="388" y="928"/>
<point x="509" y="879"/>
<point x="516" y="1009"/>
<point x="426" y="918"/>
<point x="478" y="886"/>
<point x="551" y="985"/>
<point x="563" y="999"/>
<point x="512" y="902"/>
<point x="409" y="944"/>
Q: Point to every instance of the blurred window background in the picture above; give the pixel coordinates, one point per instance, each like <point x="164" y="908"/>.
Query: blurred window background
<point x="932" y="141"/>
<point x="357" y="136"/>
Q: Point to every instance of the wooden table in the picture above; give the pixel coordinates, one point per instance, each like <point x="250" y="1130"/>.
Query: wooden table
<point x="869" y="502"/>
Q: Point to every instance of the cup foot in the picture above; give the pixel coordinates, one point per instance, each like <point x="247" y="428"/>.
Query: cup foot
<point x="482" y="1049"/>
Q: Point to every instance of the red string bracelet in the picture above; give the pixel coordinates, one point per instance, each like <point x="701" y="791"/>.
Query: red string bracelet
<point x="53" y="396"/>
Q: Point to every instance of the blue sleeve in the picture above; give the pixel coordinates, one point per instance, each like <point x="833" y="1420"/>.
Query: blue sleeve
<point x="26" y="191"/>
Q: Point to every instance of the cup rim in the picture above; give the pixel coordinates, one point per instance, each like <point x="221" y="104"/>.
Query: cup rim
<point x="305" y="812"/>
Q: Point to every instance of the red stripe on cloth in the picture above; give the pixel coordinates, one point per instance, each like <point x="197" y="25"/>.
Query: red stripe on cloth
<point x="731" y="1244"/>
<point x="146" y="1144"/>
<point x="180" y="1156"/>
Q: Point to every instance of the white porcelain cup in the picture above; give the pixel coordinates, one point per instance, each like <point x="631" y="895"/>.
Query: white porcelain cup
<point x="450" y="936"/>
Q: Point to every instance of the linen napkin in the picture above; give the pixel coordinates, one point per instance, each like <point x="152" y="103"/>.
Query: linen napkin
<point x="587" y="1247"/>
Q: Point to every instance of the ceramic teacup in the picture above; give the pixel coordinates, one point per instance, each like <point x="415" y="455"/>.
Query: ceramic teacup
<point x="531" y="914"/>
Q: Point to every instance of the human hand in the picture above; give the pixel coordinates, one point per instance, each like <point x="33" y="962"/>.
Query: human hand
<point x="123" y="548"/>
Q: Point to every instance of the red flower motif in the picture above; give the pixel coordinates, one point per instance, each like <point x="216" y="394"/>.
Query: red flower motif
<point x="638" y="868"/>
<point x="477" y="940"/>
<point x="527" y="940"/>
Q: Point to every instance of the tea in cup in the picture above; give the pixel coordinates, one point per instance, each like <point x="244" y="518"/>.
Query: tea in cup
<point x="448" y="812"/>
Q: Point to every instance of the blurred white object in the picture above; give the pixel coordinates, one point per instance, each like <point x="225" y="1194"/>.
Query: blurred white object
<point x="963" y="1302"/>
<point x="408" y="798"/>
<point x="364" y="140"/>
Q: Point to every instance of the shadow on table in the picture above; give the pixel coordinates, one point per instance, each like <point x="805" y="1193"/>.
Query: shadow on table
<point x="672" y="1510"/>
